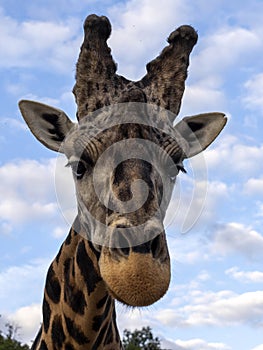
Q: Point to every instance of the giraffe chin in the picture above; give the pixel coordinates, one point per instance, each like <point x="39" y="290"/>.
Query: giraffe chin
<point x="137" y="280"/>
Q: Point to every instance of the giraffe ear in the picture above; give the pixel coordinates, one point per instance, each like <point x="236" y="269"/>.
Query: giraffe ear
<point x="48" y="124"/>
<point x="200" y="131"/>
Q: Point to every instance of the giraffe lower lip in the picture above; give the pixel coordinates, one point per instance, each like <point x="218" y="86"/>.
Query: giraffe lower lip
<point x="116" y="297"/>
<point x="136" y="280"/>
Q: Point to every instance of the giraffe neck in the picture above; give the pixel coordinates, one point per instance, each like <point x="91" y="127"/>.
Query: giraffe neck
<point x="78" y="312"/>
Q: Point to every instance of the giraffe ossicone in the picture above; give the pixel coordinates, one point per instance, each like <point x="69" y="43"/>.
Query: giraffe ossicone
<point x="125" y="155"/>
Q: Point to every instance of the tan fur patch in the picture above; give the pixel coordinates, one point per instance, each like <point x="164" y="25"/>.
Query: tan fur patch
<point x="138" y="280"/>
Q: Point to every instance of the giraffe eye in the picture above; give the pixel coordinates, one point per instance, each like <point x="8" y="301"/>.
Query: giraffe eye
<point x="174" y="171"/>
<point x="78" y="169"/>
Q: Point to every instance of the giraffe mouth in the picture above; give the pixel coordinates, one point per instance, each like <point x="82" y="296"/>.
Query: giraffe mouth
<point x="115" y="296"/>
<point x="137" y="280"/>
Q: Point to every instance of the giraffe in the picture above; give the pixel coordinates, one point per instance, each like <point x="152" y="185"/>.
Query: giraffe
<point x="104" y="257"/>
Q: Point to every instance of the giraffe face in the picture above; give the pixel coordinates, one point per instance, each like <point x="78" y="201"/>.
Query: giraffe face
<point x="124" y="176"/>
<point x="124" y="160"/>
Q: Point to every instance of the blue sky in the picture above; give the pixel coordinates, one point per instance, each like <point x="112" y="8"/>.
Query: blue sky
<point x="215" y="300"/>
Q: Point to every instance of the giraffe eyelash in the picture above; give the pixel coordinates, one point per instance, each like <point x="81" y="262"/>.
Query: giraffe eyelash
<point x="181" y="168"/>
<point x="78" y="168"/>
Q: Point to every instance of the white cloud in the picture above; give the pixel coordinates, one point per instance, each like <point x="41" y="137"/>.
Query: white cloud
<point x="254" y="186"/>
<point x="195" y="208"/>
<point x="55" y="43"/>
<point x="202" y="97"/>
<point x="131" y="318"/>
<point x="215" y="58"/>
<point x="194" y="344"/>
<point x="210" y="65"/>
<point x="260" y="209"/>
<point x="60" y="232"/>
<point x="245" y="276"/>
<point x="66" y="199"/>
<point x="259" y="347"/>
<point x="62" y="8"/>
<point x="136" y="319"/>
<point x="14" y="123"/>
<point x="194" y="202"/>
<point x="140" y="22"/>
<point x="46" y="100"/>
<point x="237" y="238"/>
<point x="38" y="43"/>
<point x="254" y="93"/>
<point x="203" y="276"/>
<point x="223" y="308"/>
<point x="28" y="319"/>
<point x="6" y="228"/>
<point x="206" y="242"/>
<point x="186" y="248"/>
<point x="35" y="191"/>
<point x="21" y="285"/>
<point x="231" y="156"/>
<point x="18" y="210"/>
<point x="26" y="187"/>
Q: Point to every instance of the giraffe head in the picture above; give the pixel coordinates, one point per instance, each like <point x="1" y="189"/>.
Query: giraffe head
<point x="125" y="155"/>
<point x="125" y="160"/>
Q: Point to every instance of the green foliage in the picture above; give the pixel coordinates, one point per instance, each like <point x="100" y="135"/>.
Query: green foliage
<point x="140" y="339"/>
<point x="8" y="341"/>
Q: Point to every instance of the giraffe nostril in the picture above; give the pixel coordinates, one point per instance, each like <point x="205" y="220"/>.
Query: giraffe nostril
<point x="119" y="241"/>
<point x="125" y="251"/>
<point x="156" y="247"/>
<point x="124" y="244"/>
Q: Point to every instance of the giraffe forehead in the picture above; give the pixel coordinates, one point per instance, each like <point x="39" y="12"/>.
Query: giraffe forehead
<point x="127" y="138"/>
<point x="114" y="124"/>
<point x="126" y="113"/>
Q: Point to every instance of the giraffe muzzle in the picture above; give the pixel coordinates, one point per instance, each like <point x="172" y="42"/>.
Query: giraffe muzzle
<point x="136" y="274"/>
<point x="137" y="279"/>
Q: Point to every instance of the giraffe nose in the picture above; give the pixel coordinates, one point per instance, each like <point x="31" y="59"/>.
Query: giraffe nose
<point x="136" y="275"/>
<point x="154" y="247"/>
<point x="119" y="243"/>
<point x="124" y="240"/>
